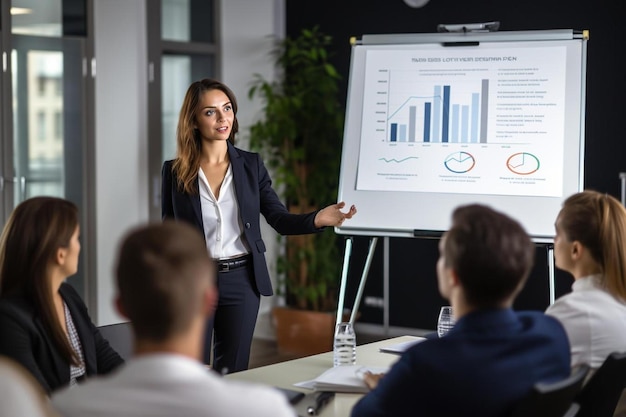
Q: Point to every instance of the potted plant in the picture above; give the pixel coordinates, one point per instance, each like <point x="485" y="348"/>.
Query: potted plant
<point x="300" y="137"/>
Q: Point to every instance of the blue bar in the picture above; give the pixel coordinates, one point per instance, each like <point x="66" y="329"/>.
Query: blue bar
<point x="437" y="114"/>
<point x="455" y="123"/>
<point x="445" y="116"/>
<point x="394" y="132"/>
<point x="464" y="123"/>
<point x="402" y="133"/>
<point x="427" y="111"/>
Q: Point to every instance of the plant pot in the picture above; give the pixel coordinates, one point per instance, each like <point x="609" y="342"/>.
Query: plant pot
<point x="303" y="332"/>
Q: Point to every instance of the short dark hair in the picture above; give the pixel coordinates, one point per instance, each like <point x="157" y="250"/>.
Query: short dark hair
<point x="491" y="253"/>
<point x="162" y="272"/>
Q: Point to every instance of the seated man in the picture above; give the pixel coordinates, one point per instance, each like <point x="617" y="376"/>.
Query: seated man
<point x="491" y="358"/>
<point x="165" y="284"/>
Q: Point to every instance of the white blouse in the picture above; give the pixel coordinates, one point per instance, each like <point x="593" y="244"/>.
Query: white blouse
<point x="220" y="218"/>
<point x="594" y="320"/>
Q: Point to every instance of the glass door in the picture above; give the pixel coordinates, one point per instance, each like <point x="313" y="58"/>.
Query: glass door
<point x="48" y="135"/>
<point x="47" y="83"/>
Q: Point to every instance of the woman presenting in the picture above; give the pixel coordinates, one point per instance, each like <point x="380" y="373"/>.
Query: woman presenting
<point x="222" y="190"/>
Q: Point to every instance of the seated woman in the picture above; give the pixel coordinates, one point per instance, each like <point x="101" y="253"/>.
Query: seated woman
<point x="44" y="324"/>
<point x="590" y="244"/>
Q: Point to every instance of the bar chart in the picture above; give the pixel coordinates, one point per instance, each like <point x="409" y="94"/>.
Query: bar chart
<point x="442" y="116"/>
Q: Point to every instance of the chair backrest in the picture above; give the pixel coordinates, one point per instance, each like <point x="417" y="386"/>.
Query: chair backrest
<point x="600" y="394"/>
<point x="120" y="337"/>
<point x="552" y="399"/>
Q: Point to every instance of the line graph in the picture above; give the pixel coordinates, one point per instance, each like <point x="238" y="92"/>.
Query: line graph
<point x="397" y="160"/>
<point x="452" y="113"/>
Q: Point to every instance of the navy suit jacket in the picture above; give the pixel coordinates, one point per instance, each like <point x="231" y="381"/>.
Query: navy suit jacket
<point x="24" y="339"/>
<point x="485" y="365"/>
<point x="255" y="196"/>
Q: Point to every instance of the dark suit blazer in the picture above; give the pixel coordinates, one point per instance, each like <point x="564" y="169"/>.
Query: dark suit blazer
<point x="483" y="367"/>
<point x="255" y="196"/>
<point x="24" y="338"/>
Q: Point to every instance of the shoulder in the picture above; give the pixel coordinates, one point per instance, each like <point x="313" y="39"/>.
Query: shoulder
<point x="537" y="322"/>
<point x="20" y="393"/>
<point x="71" y="297"/>
<point x="569" y="306"/>
<point x="16" y="306"/>
<point x="263" y="400"/>
<point x="67" y="291"/>
<point x="167" y="167"/>
<point x="240" y="153"/>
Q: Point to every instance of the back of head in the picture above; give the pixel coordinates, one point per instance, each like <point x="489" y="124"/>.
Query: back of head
<point x="163" y="271"/>
<point x="598" y="222"/>
<point x="34" y="232"/>
<point x="490" y="252"/>
<point x="20" y="393"/>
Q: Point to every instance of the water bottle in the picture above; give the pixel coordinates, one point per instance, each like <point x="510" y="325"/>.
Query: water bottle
<point x="344" y="348"/>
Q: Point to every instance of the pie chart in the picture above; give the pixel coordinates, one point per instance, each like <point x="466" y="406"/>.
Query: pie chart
<point x="523" y="163"/>
<point x="459" y="162"/>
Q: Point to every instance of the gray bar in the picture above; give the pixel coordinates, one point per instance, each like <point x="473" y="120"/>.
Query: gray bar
<point x="484" y="105"/>
<point x="412" y="111"/>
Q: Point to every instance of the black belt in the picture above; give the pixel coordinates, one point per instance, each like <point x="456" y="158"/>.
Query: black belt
<point x="225" y="265"/>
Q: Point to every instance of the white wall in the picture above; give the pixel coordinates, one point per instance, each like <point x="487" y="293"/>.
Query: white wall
<point x="247" y="32"/>
<point x="121" y="174"/>
<point x="247" y="28"/>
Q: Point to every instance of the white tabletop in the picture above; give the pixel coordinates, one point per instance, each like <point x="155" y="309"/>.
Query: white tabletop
<point x="285" y="374"/>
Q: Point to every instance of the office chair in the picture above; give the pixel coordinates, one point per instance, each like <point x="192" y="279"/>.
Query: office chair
<point x="553" y="399"/>
<point x="599" y="396"/>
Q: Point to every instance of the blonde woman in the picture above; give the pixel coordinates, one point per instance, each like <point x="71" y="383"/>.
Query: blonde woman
<point x="590" y="244"/>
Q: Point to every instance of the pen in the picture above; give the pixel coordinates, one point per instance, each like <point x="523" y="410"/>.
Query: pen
<point x="321" y="400"/>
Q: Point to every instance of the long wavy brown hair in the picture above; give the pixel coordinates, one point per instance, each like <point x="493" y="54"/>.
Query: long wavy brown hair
<point x="598" y="222"/>
<point x="35" y="231"/>
<point x="188" y="140"/>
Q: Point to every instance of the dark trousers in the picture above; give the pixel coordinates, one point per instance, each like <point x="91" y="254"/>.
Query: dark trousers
<point x="232" y="325"/>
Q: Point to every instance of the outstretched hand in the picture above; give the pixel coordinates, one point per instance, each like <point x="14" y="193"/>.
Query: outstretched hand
<point x="333" y="216"/>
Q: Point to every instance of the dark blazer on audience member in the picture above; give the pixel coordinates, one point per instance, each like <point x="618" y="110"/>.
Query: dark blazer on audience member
<point x="23" y="338"/>
<point x="482" y="367"/>
<point x="255" y="196"/>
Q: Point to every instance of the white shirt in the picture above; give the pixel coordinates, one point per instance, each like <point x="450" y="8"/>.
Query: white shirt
<point x="594" y="320"/>
<point x="220" y="218"/>
<point x="166" y="385"/>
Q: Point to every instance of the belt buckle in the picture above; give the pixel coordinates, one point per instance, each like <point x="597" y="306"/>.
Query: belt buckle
<point x="223" y="267"/>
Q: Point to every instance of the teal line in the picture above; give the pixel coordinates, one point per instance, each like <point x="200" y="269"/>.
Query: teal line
<point x="407" y="100"/>
<point x="396" y="160"/>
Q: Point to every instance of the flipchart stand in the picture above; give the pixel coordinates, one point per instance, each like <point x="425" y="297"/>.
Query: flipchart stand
<point x="344" y="278"/>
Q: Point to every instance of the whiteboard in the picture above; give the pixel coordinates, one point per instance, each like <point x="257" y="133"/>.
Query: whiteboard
<point x="434" y="121"/>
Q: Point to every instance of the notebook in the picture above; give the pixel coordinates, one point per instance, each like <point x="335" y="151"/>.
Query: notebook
<point x="345" y="378"/>
<point x="399" y="348"/>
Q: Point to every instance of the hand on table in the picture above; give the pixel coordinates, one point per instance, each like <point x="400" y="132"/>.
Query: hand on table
<point x="371" y="380"/>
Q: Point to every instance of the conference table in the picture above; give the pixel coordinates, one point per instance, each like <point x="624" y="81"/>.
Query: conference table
<point x="286" y="374"/>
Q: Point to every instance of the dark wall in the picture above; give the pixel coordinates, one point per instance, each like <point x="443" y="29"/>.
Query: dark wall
<point x="414" y="300"/>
